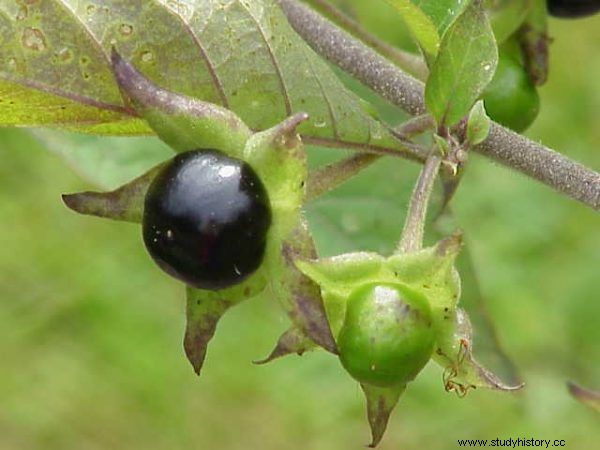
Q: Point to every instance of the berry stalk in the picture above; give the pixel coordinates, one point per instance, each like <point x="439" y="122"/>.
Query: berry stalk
<point x="411" y="239"/>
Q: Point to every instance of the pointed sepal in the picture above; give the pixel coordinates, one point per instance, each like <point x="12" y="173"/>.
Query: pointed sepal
<point x="454" y="352"/>
<point x="299" y="295"/>
<point x="338" y="276"/>
<point x="183" y="122"/>
<point x="431" y="271"/>
<point x="204" y="310"/>
<point x="292" y="341"/>
<point x="278" y="156"/>
<point x="380" y="404"/>
<point x="283" y="136"/>
<point x="586" y="396"/>
<point x="125" y="203"/>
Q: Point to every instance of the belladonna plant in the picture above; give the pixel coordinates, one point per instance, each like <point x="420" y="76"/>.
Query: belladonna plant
<point x="225" y="214"/>
<point x="225" y="217"/>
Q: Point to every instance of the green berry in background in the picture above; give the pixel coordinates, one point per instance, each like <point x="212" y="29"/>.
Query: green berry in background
<point x="511" y="99"/>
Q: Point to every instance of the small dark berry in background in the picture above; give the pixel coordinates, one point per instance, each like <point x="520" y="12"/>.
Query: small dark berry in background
<point x="573" y="8"/>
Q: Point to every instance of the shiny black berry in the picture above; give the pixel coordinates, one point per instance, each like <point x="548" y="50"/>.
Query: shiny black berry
<point x="206" y="218"/>
<point x="573" y="8"/>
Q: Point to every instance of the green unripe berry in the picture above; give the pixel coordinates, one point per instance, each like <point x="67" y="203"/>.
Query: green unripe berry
<point x="511" y="99"/>
<point x="387" y="336"/>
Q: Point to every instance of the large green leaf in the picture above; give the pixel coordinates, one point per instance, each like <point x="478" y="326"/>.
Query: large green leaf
<point x="464" y="66"/>
<point x="240" y="54"/>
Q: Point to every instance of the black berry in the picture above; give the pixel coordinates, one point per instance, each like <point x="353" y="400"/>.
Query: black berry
<point x="573" y="8"/>
<point x="206" y="219"/>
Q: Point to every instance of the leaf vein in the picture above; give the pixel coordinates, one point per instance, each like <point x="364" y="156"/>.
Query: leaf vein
<point x="216" y="81"/>
<point x="276" y="67"/>
<point x="334" y="127"/>
<point x="87" y="101"/>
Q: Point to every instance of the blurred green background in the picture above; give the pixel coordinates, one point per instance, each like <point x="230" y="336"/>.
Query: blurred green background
<point x="91" y="330"/>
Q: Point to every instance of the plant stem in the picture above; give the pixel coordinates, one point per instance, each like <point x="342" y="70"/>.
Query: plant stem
<point x="327" y="178"/>
<point x="414" y="126"/>
<point x="411" y="151"/>
<point x="413" y="64"/>
<point x="414" y="226"/>
<point x="502" y="145"/>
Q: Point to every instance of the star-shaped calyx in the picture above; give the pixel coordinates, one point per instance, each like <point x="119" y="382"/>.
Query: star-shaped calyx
<point x="428" y="274"/>
<point x="278" y="158"/>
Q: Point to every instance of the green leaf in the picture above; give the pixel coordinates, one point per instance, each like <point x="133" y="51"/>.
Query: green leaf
<point x="427" y="21"/>
<point x="507" y="16"/>
<point x="420" y="25"/>
<point x="21" y="105"/>
<point x="478" y="124"/>
<point x="55" y="67"/>
<point x="442" y="12"/>
<point x="465" y="65"/>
